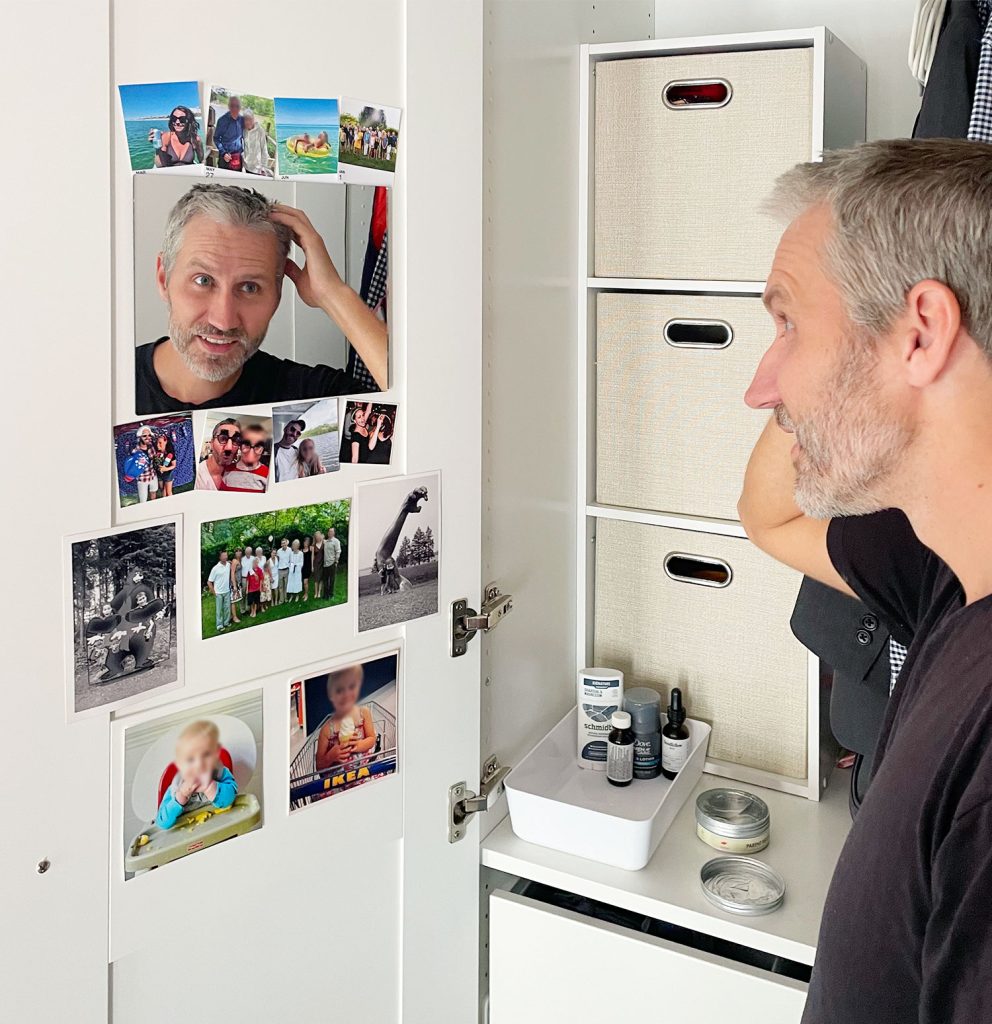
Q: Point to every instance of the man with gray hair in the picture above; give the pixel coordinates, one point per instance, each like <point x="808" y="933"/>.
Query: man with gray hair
<point x="224" y="256"/>
<point x="874" y="476"/>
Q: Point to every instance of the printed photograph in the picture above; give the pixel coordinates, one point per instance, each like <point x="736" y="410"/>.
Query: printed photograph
<point x="306" y="439"/>
<point x="192" y="779"/>
<point x="342" y="729"/>
<point x="162" y="124"/>
<point x="367" y="433"/>
<point x="241" y="133"/>
<point x="235" y="453"/>
<point x="154" y="458"/>
<point x="273" y="565"/>
<point x="306" y="136"/>
<point x="123" y="615"/>
<point x="369" y="135"/>
<point x="228" y="286"/>
<point x="399" y="550"/>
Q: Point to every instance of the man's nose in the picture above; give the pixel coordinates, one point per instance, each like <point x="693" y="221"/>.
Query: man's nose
<point x="223" y="311"/>
<point x="763" y="392"/>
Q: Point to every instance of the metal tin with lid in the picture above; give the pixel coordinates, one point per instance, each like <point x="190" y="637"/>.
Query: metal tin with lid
<point x="733" y="820"/>
<point x="742" y="886"/>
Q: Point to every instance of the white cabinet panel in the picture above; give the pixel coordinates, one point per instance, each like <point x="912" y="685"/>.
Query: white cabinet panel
<point x="551" y="965"/>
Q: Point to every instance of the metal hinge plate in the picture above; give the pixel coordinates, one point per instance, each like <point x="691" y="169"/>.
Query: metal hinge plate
<point x="463" y="804"/>
<point x="465" y="622"/>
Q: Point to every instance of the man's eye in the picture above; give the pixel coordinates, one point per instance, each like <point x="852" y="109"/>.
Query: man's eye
<point x="250" y="288"/>
<point x="201" y="280"/>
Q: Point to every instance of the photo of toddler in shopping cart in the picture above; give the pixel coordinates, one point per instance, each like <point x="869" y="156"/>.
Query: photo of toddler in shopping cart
<point x="342" y="729"/>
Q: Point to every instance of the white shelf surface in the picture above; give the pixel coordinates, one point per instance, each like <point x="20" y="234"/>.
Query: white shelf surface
<point x="699" y="524"/>
<point x="806" y="840"/>
<point x="657" y="284"/>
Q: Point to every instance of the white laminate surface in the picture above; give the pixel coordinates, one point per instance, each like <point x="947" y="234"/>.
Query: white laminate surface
<point x="806" y="839"/>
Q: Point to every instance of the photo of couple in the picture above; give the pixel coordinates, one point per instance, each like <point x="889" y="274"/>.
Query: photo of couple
<point x="306" y="136"/>
<point x="154" y="459"/>
<point x="241" y="133"/>
<point x="367" y="433"/>
<point x="235" y="453"/>
<point x="308" y="439"/>
<point x="221" y="256"/>
<point x="161" y="124"/>
<point x="273" y="565"/>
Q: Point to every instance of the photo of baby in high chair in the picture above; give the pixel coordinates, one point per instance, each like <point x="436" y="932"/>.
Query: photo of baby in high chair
<point x="342" y="729"/>
<point x="191" y="780"/>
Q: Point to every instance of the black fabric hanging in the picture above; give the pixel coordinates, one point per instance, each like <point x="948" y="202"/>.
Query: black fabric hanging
<point x="945" y="110"/>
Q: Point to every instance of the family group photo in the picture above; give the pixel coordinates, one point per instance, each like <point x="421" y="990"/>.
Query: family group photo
<point x="192" y="779"/>
<point x="241" y="133"/>
<point x="162" y="124"/>
<point x="246" y="295"/>
<point x="306" y="440"/>
<point x="273" y="565"/>
<point x="123" y="613"/>
<point x="342" y="729"/>
<point x="369" y="138"/>
<point x="399" y="546"/>
<point x="235" y="453"/>
<point x="154" y="459"/>
<point x="367" y="432"/>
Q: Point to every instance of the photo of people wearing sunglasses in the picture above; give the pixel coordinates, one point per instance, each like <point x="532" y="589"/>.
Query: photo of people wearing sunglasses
<point x="179" y="145"/>
<point x="235" y="453"/>
<point x="162" y="125"/>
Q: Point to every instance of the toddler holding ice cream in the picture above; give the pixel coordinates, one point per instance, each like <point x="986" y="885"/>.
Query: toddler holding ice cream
<point x="349" y="732"/>
<point x="200" y="778"/>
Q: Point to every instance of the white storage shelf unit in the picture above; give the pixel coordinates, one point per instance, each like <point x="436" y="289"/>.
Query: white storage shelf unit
<point x="826" y="78"/>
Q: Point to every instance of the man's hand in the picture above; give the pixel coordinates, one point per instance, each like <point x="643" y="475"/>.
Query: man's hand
<point x="318" y="280"/>
<point x="414" y="498"/>
<point x="227" y="158"/>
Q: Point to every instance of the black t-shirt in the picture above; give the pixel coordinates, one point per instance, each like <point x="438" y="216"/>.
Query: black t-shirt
<point x="265" y="378"/>
<point x="906" y="936"/>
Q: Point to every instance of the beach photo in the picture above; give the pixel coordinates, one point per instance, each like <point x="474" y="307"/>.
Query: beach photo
<point x="122" y="615"/>
<point x="192" y="780"/>
<point x="306" y="136"/>
<point x="235" y="452"/>
<point x="367" y="433"/>
<point x="306" y="439"/>
<point x="227" y="279"/>
<point x="162" y="125"/>
<point x="369" y="137"/>
<point x="154" y="458"/>
<point x="241" y="133"/>
<point x="399" y="550"/>
<point x="342" y="729"/>
<point x="272" y="565"/>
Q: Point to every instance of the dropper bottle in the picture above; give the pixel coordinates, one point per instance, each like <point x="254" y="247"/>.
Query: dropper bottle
<point x="674" y="737"/>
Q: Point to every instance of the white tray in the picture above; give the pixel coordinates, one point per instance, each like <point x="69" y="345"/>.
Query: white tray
<point x="555" y="803"/>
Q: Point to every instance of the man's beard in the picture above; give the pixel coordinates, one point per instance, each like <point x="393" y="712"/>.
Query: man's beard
<point x="205" y="365"/>
<point x="851" y="445"/>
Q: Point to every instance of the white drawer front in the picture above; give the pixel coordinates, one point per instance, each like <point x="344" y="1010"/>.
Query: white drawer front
<point x="551" y="966"/>
<point x="678" y="190"/>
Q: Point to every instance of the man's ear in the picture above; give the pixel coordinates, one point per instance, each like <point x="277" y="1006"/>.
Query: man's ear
<point x="934" y="325"/>
<point x="161" y="278"/>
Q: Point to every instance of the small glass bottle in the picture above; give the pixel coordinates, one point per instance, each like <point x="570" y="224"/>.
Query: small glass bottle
<point x="674" y="737"/>
<point x="620" y="750"/>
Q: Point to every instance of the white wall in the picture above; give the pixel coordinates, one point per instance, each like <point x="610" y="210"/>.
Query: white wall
<point x="876" y="30"/>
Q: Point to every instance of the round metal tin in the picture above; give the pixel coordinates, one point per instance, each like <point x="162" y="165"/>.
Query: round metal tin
<point x="742" y="885"/>
<point x="733" y="813"/>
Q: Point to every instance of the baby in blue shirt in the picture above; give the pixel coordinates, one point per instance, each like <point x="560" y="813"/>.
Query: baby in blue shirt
<point x="200" y="778"/>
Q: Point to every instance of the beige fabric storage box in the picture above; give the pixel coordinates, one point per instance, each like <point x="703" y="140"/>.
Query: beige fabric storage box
<point x="678" y="187"/>
<point x="724" y="639"/>
<point x="672" y="431"/>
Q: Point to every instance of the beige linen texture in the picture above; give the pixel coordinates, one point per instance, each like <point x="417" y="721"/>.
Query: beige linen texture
<point x="672" y="431"/>
<point x="729" y="649"/>
<point x="678" y="192"/>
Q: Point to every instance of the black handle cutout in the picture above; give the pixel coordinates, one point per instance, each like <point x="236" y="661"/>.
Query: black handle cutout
<point x="712" y="334"/>
<point x="703" y="572"/>
<point x="697" y="94"/>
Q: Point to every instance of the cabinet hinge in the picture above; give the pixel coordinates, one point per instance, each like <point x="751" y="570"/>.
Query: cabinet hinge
<point x="465" y="622"/>
<point x="463" y="804"/>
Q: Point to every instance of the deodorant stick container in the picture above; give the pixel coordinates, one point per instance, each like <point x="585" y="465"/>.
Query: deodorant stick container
<point x="600" y="693"/>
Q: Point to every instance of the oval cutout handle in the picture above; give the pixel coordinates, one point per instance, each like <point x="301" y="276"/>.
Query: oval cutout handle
<point x="711" y="334"/>
<point x="697" y="569"/>
<point x="697" y="94"/>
